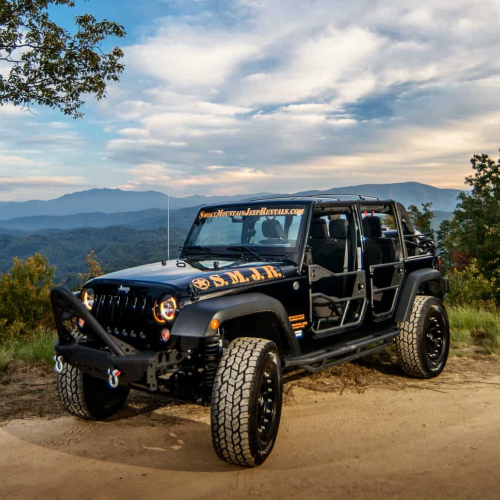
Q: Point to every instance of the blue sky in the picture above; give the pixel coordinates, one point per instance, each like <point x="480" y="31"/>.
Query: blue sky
<point x="250" y="96"/>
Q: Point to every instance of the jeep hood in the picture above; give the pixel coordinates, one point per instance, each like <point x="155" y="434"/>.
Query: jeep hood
<point x="201" y="275"/>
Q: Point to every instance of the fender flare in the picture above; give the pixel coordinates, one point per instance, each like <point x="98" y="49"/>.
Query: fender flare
<point x="194" y="319"/>
<point x="410" y="289"/>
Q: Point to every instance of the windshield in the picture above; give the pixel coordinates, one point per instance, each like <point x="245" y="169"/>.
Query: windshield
<point x="256" y="228"/>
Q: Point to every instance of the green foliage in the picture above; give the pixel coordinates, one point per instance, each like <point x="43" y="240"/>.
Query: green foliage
<point x="94" y="268"/>
<point x="475" y="229"/>
<point x="475" y="327"/>
<point x="24" y="297"/>
<point x="422" y="220"/>
<point x="471" y="287"/>
<point x="50" y="66"/>
<point x="470" y="243"/>
<point x="115" y="247"/>
<point x="38" y="349"/>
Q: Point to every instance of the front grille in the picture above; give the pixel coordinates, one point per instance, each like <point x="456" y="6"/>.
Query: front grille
<point x="127" y="316"/>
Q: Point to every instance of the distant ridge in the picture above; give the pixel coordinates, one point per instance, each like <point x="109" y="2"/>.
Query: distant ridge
<point x="96" y="204"/>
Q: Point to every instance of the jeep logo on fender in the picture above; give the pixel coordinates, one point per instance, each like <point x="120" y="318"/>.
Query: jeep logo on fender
<point x="246" y="275"/>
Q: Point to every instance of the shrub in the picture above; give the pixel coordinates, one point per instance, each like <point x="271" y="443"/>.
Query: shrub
<point x="24" y="297"/>
<point x="470" y="287"/>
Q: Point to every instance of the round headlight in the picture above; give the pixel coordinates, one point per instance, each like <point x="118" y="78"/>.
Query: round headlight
<point x="88" y="298"/>
<point x="166" y="309"/>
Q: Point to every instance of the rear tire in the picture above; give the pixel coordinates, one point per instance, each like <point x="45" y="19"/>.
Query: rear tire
<point x="246" y="402"/>
<point x="87" y="397"/>
<point x="424" y="340"/>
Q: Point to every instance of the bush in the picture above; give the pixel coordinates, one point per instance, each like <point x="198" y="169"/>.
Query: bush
<point x="469" y="287"/>
<point x="24" y="297"/>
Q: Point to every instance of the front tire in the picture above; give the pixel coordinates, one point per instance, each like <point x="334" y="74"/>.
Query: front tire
<point x="87" y="397"/>
<point x="246" y="402"/>
<point x="424" y="340"/>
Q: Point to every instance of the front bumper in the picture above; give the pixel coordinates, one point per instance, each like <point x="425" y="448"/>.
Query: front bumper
<point x="99" y="362"/>
<point x="140" y="367"/>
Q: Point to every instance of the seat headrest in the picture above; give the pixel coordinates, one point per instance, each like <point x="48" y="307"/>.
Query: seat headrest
<point x="271" y="228"/>
<point x="338" y="229"/>
<point x="319" y="229"/>
<point x="372" y="227"/>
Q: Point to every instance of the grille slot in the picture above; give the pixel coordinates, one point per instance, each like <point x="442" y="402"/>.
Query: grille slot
<point x="127" y="316"/>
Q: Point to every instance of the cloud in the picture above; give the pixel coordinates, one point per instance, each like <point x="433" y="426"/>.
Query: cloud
<point x="39" y="187"/>
<point x="186" y="57"/>
<point x="223" y="179"/>
<point x="281" y="95"/>
<point x="14" y="160"/>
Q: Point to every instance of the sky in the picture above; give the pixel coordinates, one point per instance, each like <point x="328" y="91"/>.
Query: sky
<point x="244" y="96"/>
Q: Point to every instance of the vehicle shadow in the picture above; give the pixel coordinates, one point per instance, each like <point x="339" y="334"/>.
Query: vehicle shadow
<point x="151" y="431"/>
<point x="380" y="365"/>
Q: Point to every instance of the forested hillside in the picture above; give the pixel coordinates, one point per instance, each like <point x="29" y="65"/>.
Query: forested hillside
<point x="115" y="247"/>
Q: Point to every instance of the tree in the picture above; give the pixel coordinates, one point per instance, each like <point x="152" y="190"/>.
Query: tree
<point x="476" y="223"/>
<point x="50" y="66"/>
<point x="93" y="266"/>
<point x="470" y="243"/>
<point x="422" y="220"/>
<point x="24" y="296"/>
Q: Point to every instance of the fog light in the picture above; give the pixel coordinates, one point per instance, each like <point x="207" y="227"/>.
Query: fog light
<point x="165" y="335"/>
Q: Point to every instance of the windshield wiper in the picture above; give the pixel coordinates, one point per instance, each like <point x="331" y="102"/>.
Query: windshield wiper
<point x="201" y="248"/>
<point x="250" y="250"/>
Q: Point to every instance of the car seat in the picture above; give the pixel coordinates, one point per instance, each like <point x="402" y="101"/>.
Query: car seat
<point x="273" y="232"/>
<point x="379" y="250"/>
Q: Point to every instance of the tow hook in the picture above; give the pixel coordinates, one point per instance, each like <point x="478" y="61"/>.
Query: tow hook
<point x="113" y="378"/>
<point x="59" y="364"/>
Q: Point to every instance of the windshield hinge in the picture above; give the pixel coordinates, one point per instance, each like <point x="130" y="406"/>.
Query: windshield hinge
<point x="193" y="293"/>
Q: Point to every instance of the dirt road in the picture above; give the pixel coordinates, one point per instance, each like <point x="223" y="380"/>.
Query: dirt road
<point x="355" y="432"/>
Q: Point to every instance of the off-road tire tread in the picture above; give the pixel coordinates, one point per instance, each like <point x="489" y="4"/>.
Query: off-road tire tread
<point x="407" y="342"/>
<point x="70" y="389"/>
<point x="231" y="399"/>
<point x="75" y="392"/>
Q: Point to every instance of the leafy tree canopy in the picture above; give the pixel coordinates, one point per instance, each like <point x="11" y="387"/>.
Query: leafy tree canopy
<point x="422" y="219"/>
<point x="472" y="238"/>
<point x="24" y="296"/>
<point x="50" y="66"/>
<point x="94" y="269"/>
<point x="476" y="227"/>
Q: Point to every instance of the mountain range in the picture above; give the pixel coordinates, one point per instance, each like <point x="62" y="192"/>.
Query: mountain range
<point x="106" y="207"/>
<point x="67" y="228"/>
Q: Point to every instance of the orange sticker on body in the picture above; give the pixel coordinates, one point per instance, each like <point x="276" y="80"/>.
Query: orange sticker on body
<point x="299" y="326"/>
<point x="252" y="212"/>
<point x="238" y="277"/>
<point x="299" y="317"/>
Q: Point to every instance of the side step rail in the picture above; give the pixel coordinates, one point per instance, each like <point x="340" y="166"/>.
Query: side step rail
<point x="343" y="353"/>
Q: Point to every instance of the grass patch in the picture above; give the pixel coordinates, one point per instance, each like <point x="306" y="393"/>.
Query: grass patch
<point x="36" y="350"/>
<point x="472" y="327"/>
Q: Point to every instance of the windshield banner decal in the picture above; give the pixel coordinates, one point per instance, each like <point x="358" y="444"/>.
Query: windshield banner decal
<point x="252" y="212"/>
<point x="239" y="277"/>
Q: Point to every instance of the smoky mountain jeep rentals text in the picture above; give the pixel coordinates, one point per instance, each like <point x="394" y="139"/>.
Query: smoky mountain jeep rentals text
<point x="258" y="288"/>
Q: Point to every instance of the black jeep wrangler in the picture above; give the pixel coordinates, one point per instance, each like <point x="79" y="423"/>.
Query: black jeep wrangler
<point x="259" y="287"/>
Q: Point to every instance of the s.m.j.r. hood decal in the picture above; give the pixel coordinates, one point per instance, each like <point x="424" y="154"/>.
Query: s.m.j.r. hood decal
<point x="236" y="277"/>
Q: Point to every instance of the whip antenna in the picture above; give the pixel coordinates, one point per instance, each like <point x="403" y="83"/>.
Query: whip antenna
<point x="168" y="225"/>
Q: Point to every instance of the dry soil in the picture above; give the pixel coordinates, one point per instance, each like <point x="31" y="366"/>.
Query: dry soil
<point x="359" y="431"/>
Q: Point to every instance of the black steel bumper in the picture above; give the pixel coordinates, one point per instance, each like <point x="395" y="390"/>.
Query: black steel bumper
<point x="134" y="366"/>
